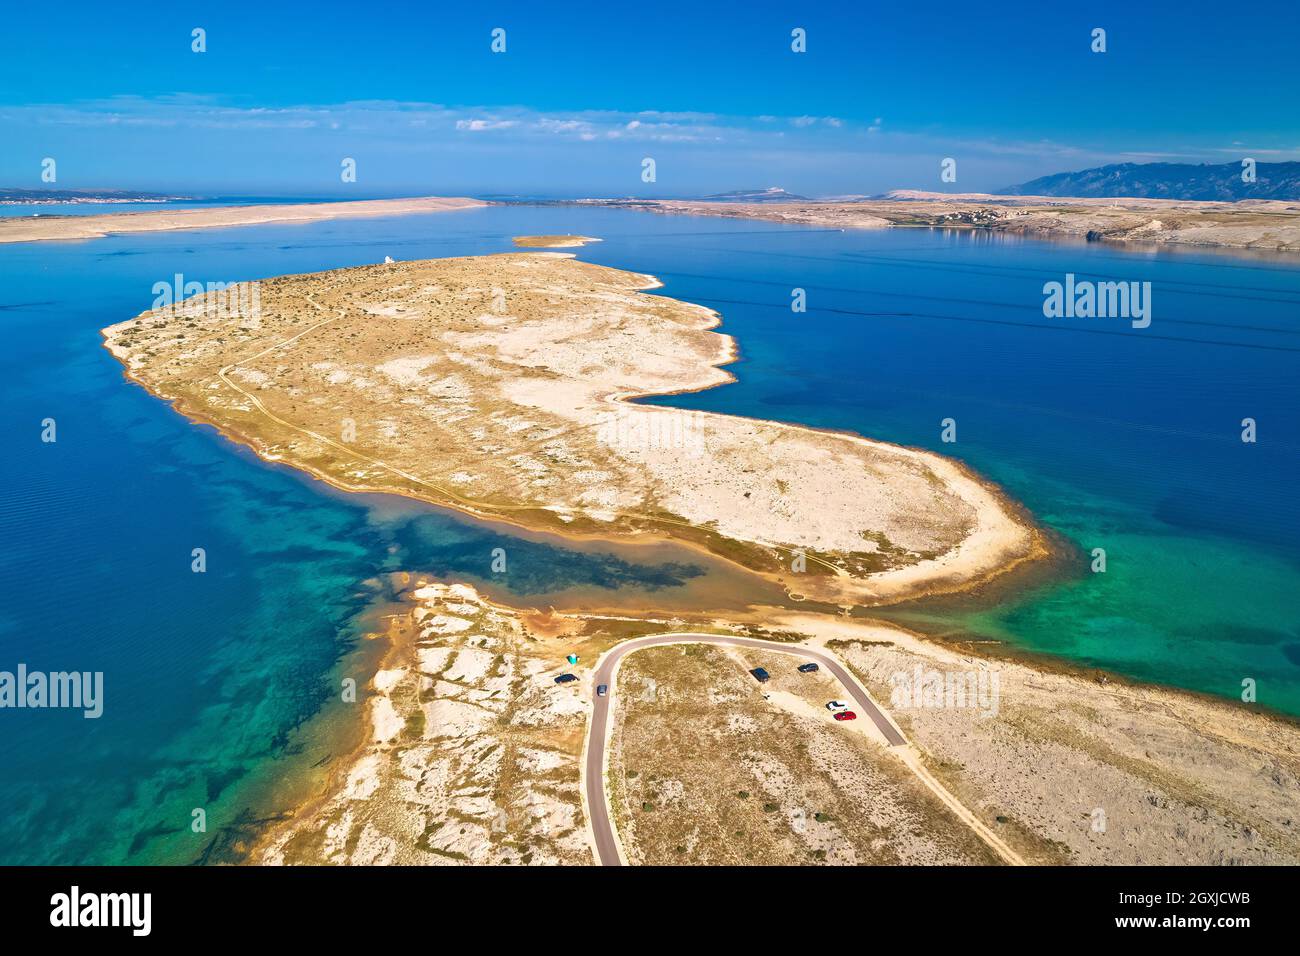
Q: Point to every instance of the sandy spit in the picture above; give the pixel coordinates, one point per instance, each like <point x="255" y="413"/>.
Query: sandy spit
<point x="43" y="228"/>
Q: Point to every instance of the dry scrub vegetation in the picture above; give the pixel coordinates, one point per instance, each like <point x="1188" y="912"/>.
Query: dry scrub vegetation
<point x="1070" y="769"/>
<point x="704" y="770"/>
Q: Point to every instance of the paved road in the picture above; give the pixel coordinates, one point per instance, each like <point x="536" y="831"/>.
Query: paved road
<point x="607" y="848"/>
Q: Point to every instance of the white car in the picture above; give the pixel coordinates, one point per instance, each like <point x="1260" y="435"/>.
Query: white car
<point x="836" y="705"/>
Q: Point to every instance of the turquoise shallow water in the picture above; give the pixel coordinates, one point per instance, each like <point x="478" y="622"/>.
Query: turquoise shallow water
<point x="1118" y="438"/>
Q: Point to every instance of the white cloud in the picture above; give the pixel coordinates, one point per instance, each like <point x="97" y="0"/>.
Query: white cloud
<point x="816" y="144"/>
<point x="397" y="118"/>
<point x="478" y="125"/>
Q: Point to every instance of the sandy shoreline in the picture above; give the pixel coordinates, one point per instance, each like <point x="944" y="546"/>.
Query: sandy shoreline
<point x="44" y="228"/>
<point x="552" y="242"/>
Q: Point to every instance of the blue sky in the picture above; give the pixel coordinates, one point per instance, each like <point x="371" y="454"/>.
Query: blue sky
<point x="585" y="91"/>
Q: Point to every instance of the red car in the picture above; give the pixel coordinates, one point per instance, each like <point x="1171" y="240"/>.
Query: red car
<point x="846" y="715"/>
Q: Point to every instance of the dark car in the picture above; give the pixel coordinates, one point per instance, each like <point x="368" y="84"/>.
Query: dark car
<point x="807" y="668"/>
<point x="761" y="675"/>
<point x="602" y="690"/>
<point x="565" y="679"/>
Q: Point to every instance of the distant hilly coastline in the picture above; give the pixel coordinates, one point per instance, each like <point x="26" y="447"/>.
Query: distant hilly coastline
<point x="42" y="196"/>
<point x="1186" y="181"/>
<point x="1192" y="182"/>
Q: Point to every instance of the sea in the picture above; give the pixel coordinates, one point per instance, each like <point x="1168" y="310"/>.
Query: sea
<point x="1178" y="538"/>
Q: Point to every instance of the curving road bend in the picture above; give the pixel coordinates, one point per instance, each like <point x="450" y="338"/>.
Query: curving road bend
<point x="609" y="852"/>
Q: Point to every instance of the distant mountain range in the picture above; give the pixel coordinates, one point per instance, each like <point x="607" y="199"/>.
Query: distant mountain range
<point x="770" y="194"/>
<point x="1168" y="181"/>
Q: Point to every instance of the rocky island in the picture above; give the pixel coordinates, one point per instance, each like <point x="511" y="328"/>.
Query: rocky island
<point x="501" y="386"/>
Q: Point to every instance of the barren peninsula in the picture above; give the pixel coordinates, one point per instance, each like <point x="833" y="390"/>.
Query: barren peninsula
<point x="1269" y="225"/>
<point x="499" y="385"/>
<point x="38" y="228"/>
<point x="472" y="753"/>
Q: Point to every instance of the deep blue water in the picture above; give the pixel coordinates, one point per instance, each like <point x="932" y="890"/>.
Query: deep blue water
<point x="1118" y="438"/>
